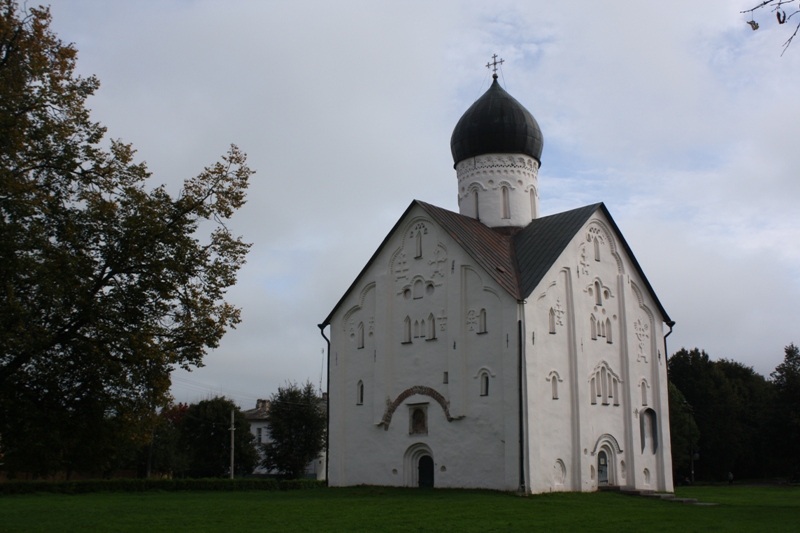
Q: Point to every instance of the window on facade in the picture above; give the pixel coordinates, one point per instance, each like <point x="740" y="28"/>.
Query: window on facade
<point x="506" y="206"/>
<point x="418" y="244"/>
<point x="644" y="392"/>
<point x="419" y="424"/>
<point x="445" y="378"/>
<point x="360" y="335"/>
<point x="422" y="329"/>
<point x="476" y="204"/>
<point x="598" y="296"/>
<point x="360" y="393"/>
<point x="604" y="385"/>
<point x="608" y="330"/>
<point x="259" y="435"/>
<point x="594" y="391"/>
<point x="648" y="427"/>
<point x="431" y="327"/>
<point x="533" y="204"/>
<point x="594" y="327"/>
<point x="416" y="329"/>
<point x="554" y="386"/>
<point x="552" y="321"/>
<point x="596" y="249"/>
<point x="419" y="289"/>
<point x="485" y="384"/>
<point x="616" y="392"/>
<point x="482" y="321"/>
<point x="407" y="330"/>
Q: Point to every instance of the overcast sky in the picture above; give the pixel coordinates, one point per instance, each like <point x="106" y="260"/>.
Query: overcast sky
<point x="676" y="114"/>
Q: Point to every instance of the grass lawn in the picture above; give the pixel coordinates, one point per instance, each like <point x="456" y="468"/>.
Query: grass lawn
<point x="742" y="508"/>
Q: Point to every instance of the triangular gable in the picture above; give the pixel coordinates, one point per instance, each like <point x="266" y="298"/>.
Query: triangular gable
<point x="519" y="262"/>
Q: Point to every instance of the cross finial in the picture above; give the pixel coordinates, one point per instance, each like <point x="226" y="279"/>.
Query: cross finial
<point x="493" y="65"/>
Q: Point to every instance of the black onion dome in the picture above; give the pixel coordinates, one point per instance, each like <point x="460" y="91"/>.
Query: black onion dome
<point x="496" y="124"/>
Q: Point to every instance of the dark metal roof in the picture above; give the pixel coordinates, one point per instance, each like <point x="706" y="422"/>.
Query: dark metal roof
<point x="516" y="262"/>
<point x="540" y="243"/>
<point x="496" y="123"/>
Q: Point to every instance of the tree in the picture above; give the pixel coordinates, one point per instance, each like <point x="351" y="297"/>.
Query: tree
<point x="106" y="285"/>
<point x="786" y="379"/>
<point x="165" y="453"/>
<point x="683" y="431"/>
<point x="778" y="7"/>
<point x="297" y="423"/>
<point x="205" y="436"/>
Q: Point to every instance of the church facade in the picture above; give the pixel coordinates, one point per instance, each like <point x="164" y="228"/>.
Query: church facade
<point x="496" y="348"/>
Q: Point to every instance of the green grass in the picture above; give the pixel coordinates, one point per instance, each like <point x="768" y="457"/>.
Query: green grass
<point x="393" y="509"/>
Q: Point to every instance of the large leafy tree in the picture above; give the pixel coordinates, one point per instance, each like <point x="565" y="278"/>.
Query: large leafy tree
<point x="297" y="420"/>
<point x="786" y="379"/>
<point x="683" y="431"/>
<point x="106" y="284"/>
<point x="206" y="438"/>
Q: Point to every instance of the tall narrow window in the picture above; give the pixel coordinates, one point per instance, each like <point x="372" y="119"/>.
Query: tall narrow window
<point x="616" y="392"/>
<point x="476" y="204"/>
<point x="258" y="435"/>
<point x="419" y="244"/>
<point x="360" y="393"/>
<point x="360" y="335"/>
<point x="594" y="391"/>
<point x="552" y="321"/>
<point x="482" y="321"/>
<point x="554" y="386"/>
<point x="419" y="424"/>
<point x="604" y="385"/>
<point x="485" y="384"/>
<point x="422" y="329"/>
<point x="596" y="249"/>
<point x="419" y="289"/>
<point x="598" y="296"/>
<point x="445" y="378"/>
<point x="594" y="327"/>
<point x="416" y="329"/>
<point x="608" y="330"/>
<point x="533" y="204"/>
<point x="407" y="330"/>
<point x="506" y="206"/>
<point x="644" y="392"/>
<point x="431" y="327"/>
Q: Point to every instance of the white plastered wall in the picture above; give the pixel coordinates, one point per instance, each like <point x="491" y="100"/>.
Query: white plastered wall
<point x="477" y="446"/>
<point x="565" y="435"/>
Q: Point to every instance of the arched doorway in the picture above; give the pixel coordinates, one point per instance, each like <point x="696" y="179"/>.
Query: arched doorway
<point x="425" y="472"/>
<point x="602" y="468"/>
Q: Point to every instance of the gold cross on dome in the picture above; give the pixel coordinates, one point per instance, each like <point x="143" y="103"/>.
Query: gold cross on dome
<point x="494" y="63"/>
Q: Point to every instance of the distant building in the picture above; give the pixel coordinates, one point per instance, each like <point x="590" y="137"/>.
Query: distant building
<point x="260" y="429"/>
<point x="496" y="348"/>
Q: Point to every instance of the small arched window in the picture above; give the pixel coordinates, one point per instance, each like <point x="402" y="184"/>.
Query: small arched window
<point x="360" y="336"/>
<point x="476" y="204"/>
<point x="422" y="329"/>
<point x="360" y="393"/>
<point x="608" y="330"/>
<point x="419" y="245"/>
<point x="598" y="296"/>
<point x="407" y="330"/>
<point x="594" y="327"/>
<point x="596" y="249"/>
<point x="416" y="329"/>
<point x="482" y="321"/>
<point x="554" y="386"/>
<point x="506" y="206"/>
<point x="649" y="430"/>
<point x="594" y="391"/>
<point x="485" y="384"/>
<point x="431" y="327"/>
<point x="533" y="204"/>
<point x="419" y="289"/>
<point x="604" y="385"/>
<point x="643" y="385"/>
<point x="552" y="321"/>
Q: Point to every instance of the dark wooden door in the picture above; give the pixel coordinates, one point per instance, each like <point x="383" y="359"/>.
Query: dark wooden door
<point x="426" y="471"/>
<point x="602" y="468"/>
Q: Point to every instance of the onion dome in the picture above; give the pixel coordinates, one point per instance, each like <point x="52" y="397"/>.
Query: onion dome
<point x="496" y="124"/>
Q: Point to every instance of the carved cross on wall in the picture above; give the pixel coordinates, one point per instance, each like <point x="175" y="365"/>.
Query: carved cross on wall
<point x="494" y="63"/>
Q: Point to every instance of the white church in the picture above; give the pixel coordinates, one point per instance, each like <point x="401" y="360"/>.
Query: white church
<point x="495" y="348"/>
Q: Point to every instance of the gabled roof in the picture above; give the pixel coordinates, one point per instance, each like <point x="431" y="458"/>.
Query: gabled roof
<point x="516" y="262"/>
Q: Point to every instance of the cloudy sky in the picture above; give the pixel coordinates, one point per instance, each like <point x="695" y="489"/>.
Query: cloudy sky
<point x="675" y="114"/>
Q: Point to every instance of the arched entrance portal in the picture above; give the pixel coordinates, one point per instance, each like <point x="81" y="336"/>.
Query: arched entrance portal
<point x="602" y="468"/>
<point x="425" y="472"/>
